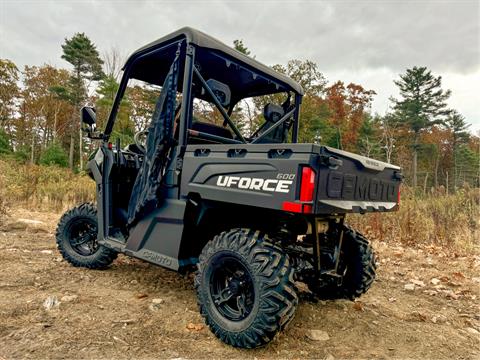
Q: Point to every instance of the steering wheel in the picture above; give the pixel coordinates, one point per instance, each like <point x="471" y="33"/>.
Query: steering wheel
<point x="140" y="138"/>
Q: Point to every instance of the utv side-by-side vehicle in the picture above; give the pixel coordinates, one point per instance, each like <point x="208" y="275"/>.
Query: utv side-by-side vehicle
<point x="256" y="214"/>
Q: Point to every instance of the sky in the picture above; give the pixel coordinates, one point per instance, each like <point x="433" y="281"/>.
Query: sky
<point x="366" y="42"/>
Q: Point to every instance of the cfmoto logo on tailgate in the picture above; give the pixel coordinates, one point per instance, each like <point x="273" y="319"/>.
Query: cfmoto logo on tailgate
<point x="281" y="184"/>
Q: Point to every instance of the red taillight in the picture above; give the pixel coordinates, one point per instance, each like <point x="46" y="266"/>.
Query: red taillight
<point x="307" y="189"/>
<point x="292" y="206"/>
<point x="307" y="186"/>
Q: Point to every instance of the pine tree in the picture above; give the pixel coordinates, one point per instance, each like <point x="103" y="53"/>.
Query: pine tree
<point x="9" y="91"/>
<point x="240" y="46"/>
<point x="422" y="105"/>
<point x="87" y="66"/>
<point x="458" y="127"/>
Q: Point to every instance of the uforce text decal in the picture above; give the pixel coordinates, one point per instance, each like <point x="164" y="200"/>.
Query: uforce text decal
<point x="271" y="185"/>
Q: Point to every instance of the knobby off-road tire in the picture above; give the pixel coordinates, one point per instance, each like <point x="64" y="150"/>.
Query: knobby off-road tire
<point x="77" y="239"/>
<point x="259" y="274"/>
<point x="358" y="262"/>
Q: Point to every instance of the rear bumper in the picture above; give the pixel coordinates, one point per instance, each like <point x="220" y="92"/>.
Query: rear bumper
<point x="360" y="206"/>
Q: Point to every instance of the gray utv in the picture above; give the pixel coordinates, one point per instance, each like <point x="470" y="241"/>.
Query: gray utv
<point x="254" y="214"/>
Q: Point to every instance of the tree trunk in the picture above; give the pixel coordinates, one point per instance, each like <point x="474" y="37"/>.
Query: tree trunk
<point x="80" y="146"/>
<point x="414" y="168"/>
<point x="54" y="135"/>
<point x="435" y="174"/>
<point x="425" y="184"/>
<point x="32" y="154"/>
<point x="76" y="113"/>
<point x="446" y="181"/>
<point x="414" y="162"/>
<point x="455" y="175"/>
<point x="72" y="148"/>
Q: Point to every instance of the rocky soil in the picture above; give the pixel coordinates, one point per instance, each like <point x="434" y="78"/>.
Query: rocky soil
<point x="424" y="305"/>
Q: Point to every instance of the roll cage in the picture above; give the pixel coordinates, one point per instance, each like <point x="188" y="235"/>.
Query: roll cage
<point x="200" y="58"/>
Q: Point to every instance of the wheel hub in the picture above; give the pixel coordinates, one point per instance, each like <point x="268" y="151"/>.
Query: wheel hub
<point x="83" y="237"/>
<point x="232" y="289"/>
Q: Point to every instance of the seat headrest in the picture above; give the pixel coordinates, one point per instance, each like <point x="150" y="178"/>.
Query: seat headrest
<point x="221" y="91"/>
<point x="273" y="112"/>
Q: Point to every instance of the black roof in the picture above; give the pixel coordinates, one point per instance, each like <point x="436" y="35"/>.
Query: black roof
<point x="204" y="41"/>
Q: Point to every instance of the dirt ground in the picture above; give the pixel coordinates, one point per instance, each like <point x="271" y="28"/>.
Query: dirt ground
<point x="424" y="305"/>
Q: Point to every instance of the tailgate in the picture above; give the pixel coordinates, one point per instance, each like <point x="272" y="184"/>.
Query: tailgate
<point x="349" y="182"/>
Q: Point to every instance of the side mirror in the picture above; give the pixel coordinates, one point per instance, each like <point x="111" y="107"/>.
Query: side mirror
<point x="89" y="117"/>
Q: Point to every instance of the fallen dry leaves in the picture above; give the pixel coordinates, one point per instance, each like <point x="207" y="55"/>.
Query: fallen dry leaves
<point x="195" y="327"/>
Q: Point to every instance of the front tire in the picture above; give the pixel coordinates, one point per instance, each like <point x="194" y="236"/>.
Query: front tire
<point x="245" y="288"/>
<point x="76" y="237"/>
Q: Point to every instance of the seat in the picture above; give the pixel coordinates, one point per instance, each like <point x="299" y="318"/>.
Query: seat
<point x="209" y="129"/>
<point x="273" y="113"/>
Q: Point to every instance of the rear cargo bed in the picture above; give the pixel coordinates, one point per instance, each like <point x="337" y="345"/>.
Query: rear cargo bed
<point x="351" y="183"/>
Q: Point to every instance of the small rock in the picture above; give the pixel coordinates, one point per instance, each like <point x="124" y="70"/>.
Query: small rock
<point x="435" y="281"/>
<point x="48" y="252"/>
<point x="451" y="295"/>
<point x="419" y="316"/>
<point x="68" y="298"/>
<point x="50" y="302"/>
<point x="120" y="340"/>
<point x="417" y="282"/>
<point x="155" y="305"/>
<point x="472" y="331"/>
<point x="476" y="279"/>
<point x="409" y="287"/>
<point x="329" y="357"/>
<point x="31" y="222"/>
<point x="392" y="299"/>
<point x="318" y="335"/>
<point x="439" y="319"/>
<point x="141" y="296"/>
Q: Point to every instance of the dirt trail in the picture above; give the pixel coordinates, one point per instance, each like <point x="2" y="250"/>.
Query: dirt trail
<point x="138" y="310"/>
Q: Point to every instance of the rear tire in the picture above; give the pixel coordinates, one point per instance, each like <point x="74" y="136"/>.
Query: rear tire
<point x="359" y="266"/>
<point x="76" y="237"/>
<point x="245" y="288"/>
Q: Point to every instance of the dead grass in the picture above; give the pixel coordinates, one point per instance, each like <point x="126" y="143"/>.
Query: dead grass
<point x="439" y="220"/>
<point x="42" y="187"/>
